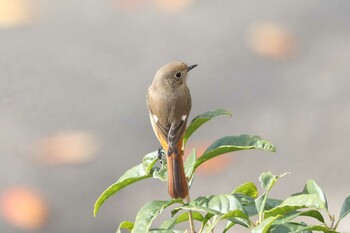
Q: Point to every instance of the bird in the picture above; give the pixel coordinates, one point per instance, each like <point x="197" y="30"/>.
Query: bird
<point x="169" y="103"/>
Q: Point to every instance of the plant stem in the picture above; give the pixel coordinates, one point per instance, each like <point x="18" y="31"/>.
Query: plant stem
<point x="334" y="224"/>
<point x="190" y="218"/>
<point x="201" y="229"/>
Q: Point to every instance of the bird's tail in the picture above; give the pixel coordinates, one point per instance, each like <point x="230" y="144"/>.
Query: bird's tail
<point x="177" y="182"/>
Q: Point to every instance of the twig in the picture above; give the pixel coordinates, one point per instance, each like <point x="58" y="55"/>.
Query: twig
<point x="190" y="217"/>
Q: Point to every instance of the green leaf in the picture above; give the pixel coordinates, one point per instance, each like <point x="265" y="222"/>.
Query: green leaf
<point x="137" y="173"/>
<point x="189" y="164"/>
<point x="234" y="216"/>
<point x="237" y="216"/>
<point x="313" y="214"/>
<point x="251" y="210"/>
<point x="248" y="203"/>
<point x="287" y="228"/>
<point x="170" y="223"/>
<point x="312" y="188"/>
<point x="315" y="228"/>
<point x="148" y="213"/>
<point x="162" y="172"/>
<point x="132" y="175"/>
<point x="260" y="205"/>
<point x="272" y="203"/>
<point x="149" y="161"/>
<point x="215" y="204"/>
<point x="281" y="210"/>
<point x="201" y="119"/>
<point x="296" y="202"/>
<point x="234" y="143"/>
<point x="265" y="225"/>
<point x="306" y="200"/>
<point x="267" y="180"/>
<point x="207" y="217"/>
<point x="125" y="225"/>
<point x="288" y="217"/>
<point x="165" y="231"/>
<point x="228" y="226"/>
<point x="345" y="209"/>
<point x="218" y="205"/>
<point x="248" y="189"/>
<point x="280" y="229"/>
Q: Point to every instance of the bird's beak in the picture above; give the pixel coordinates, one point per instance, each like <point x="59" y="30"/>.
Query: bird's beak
<point x="191" y="67"/>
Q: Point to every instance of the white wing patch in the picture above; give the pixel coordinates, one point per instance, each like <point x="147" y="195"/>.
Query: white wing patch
<point x="155" y="118"/>
<point x="184" y="117"/>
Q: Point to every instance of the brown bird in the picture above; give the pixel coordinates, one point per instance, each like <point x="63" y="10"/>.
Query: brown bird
<point x="169" y="104"/>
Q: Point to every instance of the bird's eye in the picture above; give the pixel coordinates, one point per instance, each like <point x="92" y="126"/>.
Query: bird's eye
<point x="178" y="75"/>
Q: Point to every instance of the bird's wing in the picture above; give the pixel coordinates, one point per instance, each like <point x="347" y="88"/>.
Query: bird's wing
<point x="176" y="133"/>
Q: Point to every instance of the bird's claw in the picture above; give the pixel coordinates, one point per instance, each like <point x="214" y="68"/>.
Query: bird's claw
<point x="160" y="153"/>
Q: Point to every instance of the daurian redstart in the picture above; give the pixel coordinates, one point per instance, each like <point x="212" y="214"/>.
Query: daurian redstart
<point x="169" y="104"/>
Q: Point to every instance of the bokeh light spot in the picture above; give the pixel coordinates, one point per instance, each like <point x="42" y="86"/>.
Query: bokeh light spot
<point x="212" y="166"/>
<point x="271" y="40"/>
<point x="15" y="12"/>
<point x="172" y="6"/>
<point x="70" y="147"/>
<point x="24" y="208"/>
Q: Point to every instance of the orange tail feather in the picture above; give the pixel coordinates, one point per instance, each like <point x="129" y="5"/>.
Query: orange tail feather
<point x="177" y="182"/>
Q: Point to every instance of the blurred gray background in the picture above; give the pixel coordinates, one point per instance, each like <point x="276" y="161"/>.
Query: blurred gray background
<point x="74" y="74"/>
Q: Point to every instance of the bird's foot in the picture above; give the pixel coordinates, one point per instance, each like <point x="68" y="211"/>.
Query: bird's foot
<point x="160" y="153"/>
